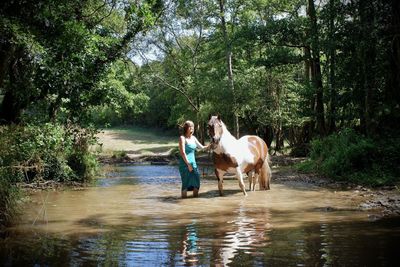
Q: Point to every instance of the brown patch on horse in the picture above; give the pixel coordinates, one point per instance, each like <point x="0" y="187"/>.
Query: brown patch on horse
<point x="251" y="167"/>
<point x="259" y="149"/>
<point x="224" y="162"/>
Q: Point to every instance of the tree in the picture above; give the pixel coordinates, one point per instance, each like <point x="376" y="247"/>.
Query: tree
<point x="229" y="64"/>
<point x="54" y="52"/>
<point x="315" y="66"/>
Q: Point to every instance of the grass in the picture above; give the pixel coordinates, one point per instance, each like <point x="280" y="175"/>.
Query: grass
<point x="136" y="140"/>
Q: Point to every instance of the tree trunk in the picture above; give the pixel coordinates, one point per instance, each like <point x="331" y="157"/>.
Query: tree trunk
<point x="14" y="102"/>
<point x="332" y="62"/>
<point x="368" y="59"/>
<point x="391" y="121"/>
<point x="229" y="65"/>
<point x="10" y="111"/>
<point x="316" y="69"/>
<point x="268" y="135"/>
<point x="278" y="138"/>
<point x="307" y="131"/>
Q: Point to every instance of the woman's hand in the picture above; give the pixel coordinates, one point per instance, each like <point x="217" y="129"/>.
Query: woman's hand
<point x="208" y="147"/>
<point x="190" y="167"/>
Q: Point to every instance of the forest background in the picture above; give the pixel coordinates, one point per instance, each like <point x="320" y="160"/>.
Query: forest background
<point x="312" y="78"/>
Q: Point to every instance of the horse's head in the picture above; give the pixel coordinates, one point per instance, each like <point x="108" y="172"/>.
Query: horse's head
<point x="215" y="129"/>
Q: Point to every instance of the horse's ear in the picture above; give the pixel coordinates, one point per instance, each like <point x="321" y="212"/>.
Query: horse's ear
<point x="209" y="117"/>
<point x="218" y="117"/>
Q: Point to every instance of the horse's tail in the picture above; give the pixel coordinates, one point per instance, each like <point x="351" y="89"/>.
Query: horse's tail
<point x="265" y="175"/>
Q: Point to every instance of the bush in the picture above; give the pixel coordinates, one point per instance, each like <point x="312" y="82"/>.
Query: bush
<point x="42" y="152"/>
<point x="341" y="153"/>
<point x="352" y="157"/>
<point x="9" y="195"/>
<point x="83" y="163"/>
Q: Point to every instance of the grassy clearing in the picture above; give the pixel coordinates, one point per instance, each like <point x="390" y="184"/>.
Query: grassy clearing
<point x="137" y="141"/>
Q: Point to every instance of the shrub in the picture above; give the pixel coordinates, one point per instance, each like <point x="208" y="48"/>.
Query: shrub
<point x="352" y="157"/>
<point x="9" y="195"/>
<point x="83" y="163"/>
<point x="42" y="152"/>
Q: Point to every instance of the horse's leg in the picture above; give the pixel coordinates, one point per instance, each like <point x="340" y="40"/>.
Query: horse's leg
<point x="239" y="176"/>
<point x="220" y="177"/>
<point x="252" y="180"/>
<point x="250" y="175"/>
<point x="265" y="176"/>
<point x="255" y="178"/>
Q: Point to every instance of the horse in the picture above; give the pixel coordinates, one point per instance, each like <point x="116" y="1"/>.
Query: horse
<point x="249" y="154"/>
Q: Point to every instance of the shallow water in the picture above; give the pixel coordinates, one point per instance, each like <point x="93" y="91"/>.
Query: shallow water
<point x="135" y="217"/>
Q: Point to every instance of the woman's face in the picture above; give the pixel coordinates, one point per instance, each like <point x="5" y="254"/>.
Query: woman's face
<point x="190" y="129"/>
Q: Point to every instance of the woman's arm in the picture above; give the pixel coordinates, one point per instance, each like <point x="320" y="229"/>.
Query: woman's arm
<point x="182" y="152"/>
<point x="199" y="145"/>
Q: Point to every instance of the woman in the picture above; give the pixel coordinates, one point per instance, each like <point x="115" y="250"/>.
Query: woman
<point x="190" y="175"/>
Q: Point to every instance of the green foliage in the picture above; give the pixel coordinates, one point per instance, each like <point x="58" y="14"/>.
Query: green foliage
<point x="119" y="154"/>
<point x="122" y="100"/>
<point x="9" y="195"/>
<point x="352" y="157"/>
<point x="80" y="159"/>
<point x="42" y="152"/>
<point x="340" y="153"/>
<point x="33" y="153"/>
<point x="56" y="53"/>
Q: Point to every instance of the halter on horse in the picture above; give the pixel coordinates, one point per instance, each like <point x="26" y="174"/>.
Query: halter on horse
<point x="248" y="155"/>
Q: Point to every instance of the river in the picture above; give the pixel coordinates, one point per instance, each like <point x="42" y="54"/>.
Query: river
<point x="135" y="217"/>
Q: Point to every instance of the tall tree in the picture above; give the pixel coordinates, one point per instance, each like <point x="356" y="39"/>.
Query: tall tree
<point x="332" y="11"/>
<point x="391" y="118"/>
<point x="228" y="51"/>
<point x="316" y="75"/>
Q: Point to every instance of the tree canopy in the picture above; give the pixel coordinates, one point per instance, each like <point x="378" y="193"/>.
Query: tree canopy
<point x="285" y="70"/>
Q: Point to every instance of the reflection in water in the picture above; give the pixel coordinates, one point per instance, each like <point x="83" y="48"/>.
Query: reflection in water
<point x="138" y="219"/>
<point x="246" y="233"/>
<point x="189" y="245"/>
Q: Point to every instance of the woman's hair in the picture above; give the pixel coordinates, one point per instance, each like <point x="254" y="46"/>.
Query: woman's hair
<point x="186" y="126"/>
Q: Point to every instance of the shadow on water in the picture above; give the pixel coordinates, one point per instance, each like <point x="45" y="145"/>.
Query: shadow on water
<point x="144" y="225"/>
<point x="203" y="195"/>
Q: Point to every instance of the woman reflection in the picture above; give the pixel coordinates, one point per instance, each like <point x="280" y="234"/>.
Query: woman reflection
<point x="189" y="246"/>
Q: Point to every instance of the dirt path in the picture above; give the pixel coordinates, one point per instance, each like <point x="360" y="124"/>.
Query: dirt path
<point x="136" y="143"/>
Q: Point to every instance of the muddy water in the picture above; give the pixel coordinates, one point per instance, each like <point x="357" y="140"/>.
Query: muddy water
<point x="135" y="217"/>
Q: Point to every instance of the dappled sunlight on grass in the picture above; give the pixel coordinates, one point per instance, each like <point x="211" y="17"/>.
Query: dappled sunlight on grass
<point x="137" y="140"/>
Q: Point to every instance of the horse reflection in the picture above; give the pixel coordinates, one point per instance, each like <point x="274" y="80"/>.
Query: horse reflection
<point x="246" y="234"/>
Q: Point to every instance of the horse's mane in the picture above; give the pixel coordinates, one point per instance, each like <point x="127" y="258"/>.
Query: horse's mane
<point x="225" y="129"/>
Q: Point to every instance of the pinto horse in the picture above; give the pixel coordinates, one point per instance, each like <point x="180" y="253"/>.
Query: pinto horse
<point x="248" y="155"/>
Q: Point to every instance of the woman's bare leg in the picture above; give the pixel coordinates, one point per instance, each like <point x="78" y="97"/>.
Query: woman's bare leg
<point x="195" y="192"/>
<point x="184" y="193"/>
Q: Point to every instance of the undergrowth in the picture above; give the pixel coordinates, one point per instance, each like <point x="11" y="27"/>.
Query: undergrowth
<point x="35" y="153"/>
<point x="349" y="156"/>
